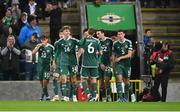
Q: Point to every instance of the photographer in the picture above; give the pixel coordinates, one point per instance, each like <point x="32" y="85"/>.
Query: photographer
<point x="10" y="60"/>
<point x="164" y="60"/>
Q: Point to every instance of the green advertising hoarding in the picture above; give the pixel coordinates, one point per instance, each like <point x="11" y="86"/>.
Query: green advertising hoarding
<point x="111" y="17"/>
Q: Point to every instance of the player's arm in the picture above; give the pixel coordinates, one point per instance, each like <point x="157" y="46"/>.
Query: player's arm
<point x="100" y="51"/>
<point x="128" y="55"/>
<point x="35" y="50"/>
<point x="112" y="59"/>
<point x="81" y="49"/>
<point x="53" y="64"/>
<point x="80" y="52"/>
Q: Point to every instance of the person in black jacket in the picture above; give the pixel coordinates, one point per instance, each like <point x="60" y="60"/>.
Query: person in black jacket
<point x="10" y="60"/>
<point x="33" y="9"/>
<point x="55" y="25"/>
<point x="165" y="62"/>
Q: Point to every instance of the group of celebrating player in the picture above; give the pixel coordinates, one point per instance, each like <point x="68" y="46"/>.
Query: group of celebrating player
<point x="97" y="58"/>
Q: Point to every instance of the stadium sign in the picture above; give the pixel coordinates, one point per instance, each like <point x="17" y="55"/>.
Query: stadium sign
<point x="111" y="17"/>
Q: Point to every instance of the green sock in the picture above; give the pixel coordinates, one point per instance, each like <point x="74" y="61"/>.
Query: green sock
<point x="85" y="87"/>
<point x="42" y="93"/>
<point x="128" y="88"/>
<point x="63" y="89"/>
<point x="119" y="89"/>
<point x="103" y="92"/>
<point x="68" y="86"/>
<point x="55" y="86"/>
<point x="94" y="89"/>
<point x="74" y="88"/>
<point x="45" y="91"/>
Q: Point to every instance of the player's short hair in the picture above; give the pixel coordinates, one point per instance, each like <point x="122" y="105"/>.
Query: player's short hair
<point x="101" y="30"/>
<point x="120" y="31"/>
<point x="91" y="31"/>
<point x="44" y="37"/>
<point x="66" y="27"/>
<point x="85" y="30"/>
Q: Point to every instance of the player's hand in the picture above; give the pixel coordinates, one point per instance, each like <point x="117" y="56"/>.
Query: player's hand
<point x="160" y="59"/>
<point x="102" y="66"/>
<point x="56" y="74"/>
<point x="117" y="59"/>
<point x="39" y="45"/>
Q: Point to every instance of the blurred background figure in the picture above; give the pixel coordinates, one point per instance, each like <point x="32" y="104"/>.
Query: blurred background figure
<point x="10" y="59"/>
<point x="55" y="24"/>
<point x="27" y="31"/>
<point x="164" y="60"/>
<point x="30" y="60"/>
<point x="8" y="18"/>
<point x="33" y="9"/>
<point x="16" y="11"/>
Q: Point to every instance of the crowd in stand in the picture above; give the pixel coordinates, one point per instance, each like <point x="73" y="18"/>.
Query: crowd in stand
<point x="20" y="20"/>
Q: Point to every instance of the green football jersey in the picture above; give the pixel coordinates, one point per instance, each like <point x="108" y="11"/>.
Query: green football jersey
<point x="91" y="46"/>
<point x="67" y="51"/>
<point x="45" y="55"/>
<point x="106" y="46"/>
<point x="122" y="48"/>
<point x="57" y="53"/>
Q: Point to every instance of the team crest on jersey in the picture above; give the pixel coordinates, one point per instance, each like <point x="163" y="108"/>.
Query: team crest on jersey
<point x="126" y="46"/>
<point x="111" y="19"/>
<point x="107" y="44"/>
<point x="48" y="50"/>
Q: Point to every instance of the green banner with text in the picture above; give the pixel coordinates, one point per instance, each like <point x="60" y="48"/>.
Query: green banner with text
<point x="111" y="17"/>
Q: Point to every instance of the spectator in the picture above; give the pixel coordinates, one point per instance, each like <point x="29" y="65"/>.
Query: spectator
<point x="27" y="31"/>
<point x="31" y="60"/>
<point x="3" y="5"/>
<point x="21" y="22"/>
<point x="148" y="47"/>
<point x="8" y="19"/>
<point x="6" y="31"/>
<point x="10" y="59"/>
<point x="164" y="60"/>
<point x="16" y="12"/>
<point x="33" y="9"/>
<point x="55" y="14"/>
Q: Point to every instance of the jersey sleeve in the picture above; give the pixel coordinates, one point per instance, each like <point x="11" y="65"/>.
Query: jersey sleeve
<point x="130" y="46"/>
<point x="113" y="46"/>
<point x="53" y="52"/>
<point x="82" y="42"/>
<point x="99" y="45"/>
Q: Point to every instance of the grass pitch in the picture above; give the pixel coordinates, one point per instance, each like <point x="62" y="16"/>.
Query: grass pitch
<point x="87" y="106"/>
